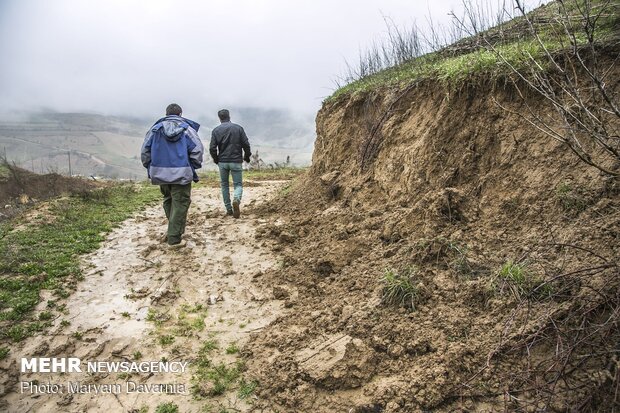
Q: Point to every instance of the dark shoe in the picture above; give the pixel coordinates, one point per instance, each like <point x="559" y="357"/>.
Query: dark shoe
<point x="229" y="212"/>
<point x="177" y="245"/>
<point x="236" y="210"/>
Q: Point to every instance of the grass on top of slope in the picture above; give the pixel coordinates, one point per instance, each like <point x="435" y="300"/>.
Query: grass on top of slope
<point x="517" y="46"/>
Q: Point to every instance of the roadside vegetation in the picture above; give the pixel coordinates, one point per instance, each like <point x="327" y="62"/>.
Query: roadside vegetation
<point x="41" y="250"/>
<point x="560" y="54"/>
<point x="490" y="38"/>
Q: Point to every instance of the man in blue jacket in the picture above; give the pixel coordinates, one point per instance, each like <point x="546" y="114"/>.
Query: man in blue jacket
<point x="229" y="148"/>
<point x="171" y="153"/>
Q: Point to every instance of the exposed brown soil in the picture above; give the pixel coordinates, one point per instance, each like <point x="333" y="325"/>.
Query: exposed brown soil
<point x="444" y="187"/>
<point x="21" y="188"/>
<point x="137" y="292"/>
<point x="455" y="188"/>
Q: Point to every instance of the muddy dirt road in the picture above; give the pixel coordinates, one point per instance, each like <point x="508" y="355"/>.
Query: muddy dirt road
<point x="143" y="301"/>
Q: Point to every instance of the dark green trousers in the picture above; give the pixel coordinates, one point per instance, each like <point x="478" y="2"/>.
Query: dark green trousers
<point x="176" y="204"/>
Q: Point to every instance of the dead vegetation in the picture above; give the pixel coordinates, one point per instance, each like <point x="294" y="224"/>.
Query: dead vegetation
<point x="20" y="188"/>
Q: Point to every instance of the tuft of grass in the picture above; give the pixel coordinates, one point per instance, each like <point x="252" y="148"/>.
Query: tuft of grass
<point x="399" y="288"/>
<point x="232" y="348"/>
<point x="192" y="308"/>
<point x="208" y="346"/>
<point x="45" y="316"/>
<point x="446" y="252"/>
<point x="187" y="327"/>
<point x="215" y="380"/>
<point x="246" y="388"/>
<point x="522" y="282"/>
<point x="4" y="352"/>
<point x="570" y="198"/>
<point x="20" y="331"/>
<point x="157" y="318"/>
<point x="286" y="190"/>
<point x="168" y="407"/>
<point x="166" y="339"/>
<point x="45" y="255"/>
<point x="198" y="324"/>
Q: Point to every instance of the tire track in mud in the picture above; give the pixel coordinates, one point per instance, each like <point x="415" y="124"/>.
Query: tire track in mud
<point x="143" y="301"/>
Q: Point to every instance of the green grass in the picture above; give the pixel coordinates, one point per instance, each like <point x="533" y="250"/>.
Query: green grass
<point x="220" y="377"/>
<point x="4" y="352"/>
<point x="46" y="255"/>
<point x="522" y="281"/>
<point x="448" y="71"/>
<point x="246" y="388"/>
<point x="208" y="346"/>
<point x="211" y="379"/>
<point x="232" y="348"/>
<point x="166" y="339"/>
<point x="399" y="288"/>
<point x="453" y="70"/>
<point x="168" y="407"/>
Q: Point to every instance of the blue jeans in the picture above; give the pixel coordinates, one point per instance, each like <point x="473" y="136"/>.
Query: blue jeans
<point x="236" y="170"/>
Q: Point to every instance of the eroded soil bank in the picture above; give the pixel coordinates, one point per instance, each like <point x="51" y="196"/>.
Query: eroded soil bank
<point x="142" y="301"/>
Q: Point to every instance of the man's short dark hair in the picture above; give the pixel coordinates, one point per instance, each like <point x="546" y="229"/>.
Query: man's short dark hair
<point x="223" y="114"/>
<point x="173" y="109"/>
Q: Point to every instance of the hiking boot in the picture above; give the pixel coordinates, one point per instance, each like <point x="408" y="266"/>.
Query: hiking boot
<point x="229" y="212"/>
<point x="178" y="245"/>
<point x="236" y="210"/>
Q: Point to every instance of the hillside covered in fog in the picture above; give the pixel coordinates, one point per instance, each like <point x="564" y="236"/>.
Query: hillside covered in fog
<point x="109" y="146"/>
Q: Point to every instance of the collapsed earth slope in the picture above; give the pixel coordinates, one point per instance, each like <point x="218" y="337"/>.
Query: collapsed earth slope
<point x="502" y="244"/>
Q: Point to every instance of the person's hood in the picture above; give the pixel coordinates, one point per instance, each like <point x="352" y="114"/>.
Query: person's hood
<point x="174" y="126"/>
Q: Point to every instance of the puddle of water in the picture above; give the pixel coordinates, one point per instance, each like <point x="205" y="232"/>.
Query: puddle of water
<point x="134" y="272"/>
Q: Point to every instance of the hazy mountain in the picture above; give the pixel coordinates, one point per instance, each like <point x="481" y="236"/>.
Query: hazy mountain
<point x="95" y="144"/>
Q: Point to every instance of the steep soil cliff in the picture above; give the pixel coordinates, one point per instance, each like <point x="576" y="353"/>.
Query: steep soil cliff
<point x="508" y="242"/>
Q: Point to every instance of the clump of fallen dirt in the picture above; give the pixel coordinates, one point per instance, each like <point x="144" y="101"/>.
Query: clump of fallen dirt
<point x="20" y="188"/>
<point x="458" y="193"/>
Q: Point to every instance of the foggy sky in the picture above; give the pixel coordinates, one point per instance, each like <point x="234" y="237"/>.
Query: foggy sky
<point x="127" y="57"/>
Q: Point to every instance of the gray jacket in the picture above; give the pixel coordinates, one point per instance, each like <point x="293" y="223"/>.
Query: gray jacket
<point x="227" y="142"/>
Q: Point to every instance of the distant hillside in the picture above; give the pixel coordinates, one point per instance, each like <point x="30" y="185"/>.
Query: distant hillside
<point x="109" y="146"/>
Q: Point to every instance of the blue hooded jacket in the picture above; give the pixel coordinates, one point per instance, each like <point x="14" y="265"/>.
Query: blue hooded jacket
<point x="172" y="151"/>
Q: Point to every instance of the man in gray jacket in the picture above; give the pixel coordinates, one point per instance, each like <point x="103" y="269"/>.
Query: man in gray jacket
<point x="171" y="153"/>
<point x="229" y="148"/>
